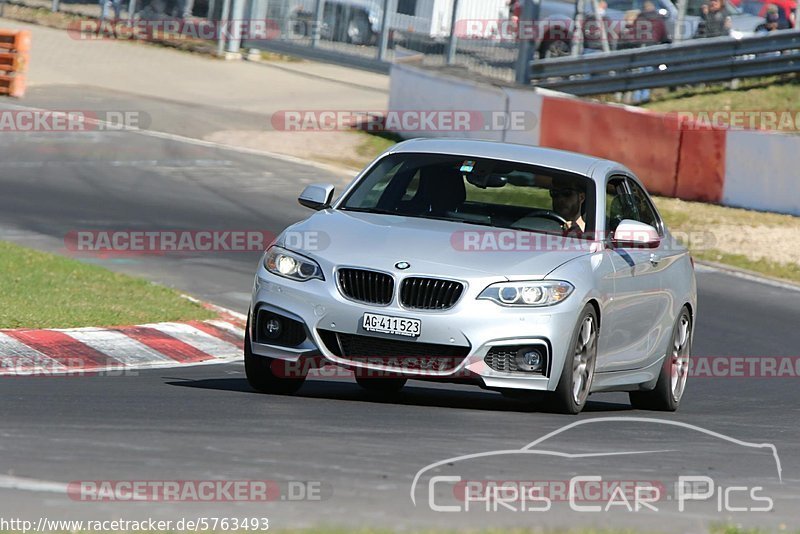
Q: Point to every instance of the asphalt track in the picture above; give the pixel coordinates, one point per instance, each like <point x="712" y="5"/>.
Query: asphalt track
<point x="204" y="423"/>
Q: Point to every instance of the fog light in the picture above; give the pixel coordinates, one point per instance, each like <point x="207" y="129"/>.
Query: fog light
<point x="530" y="359"/>
<point x="272" y="329"/>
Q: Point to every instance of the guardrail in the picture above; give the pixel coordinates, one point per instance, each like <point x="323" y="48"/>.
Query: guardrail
<point x="686" y="63"/>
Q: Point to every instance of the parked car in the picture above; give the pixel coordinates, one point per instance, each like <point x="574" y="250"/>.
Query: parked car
<point x="519" y="269"/>
<point x="352" y="21"/>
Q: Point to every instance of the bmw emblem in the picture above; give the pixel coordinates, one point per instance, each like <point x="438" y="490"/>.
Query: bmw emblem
<point x="402" y="265"/>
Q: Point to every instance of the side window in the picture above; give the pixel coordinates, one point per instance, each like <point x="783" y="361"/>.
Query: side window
<point x="643" y="210"/>
<point x="618" y="204"/>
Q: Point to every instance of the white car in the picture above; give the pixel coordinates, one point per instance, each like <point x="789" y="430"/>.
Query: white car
<point x="519" y="269"/>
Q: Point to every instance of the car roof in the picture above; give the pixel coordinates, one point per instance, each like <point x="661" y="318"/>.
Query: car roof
<point x="532" y="155"/>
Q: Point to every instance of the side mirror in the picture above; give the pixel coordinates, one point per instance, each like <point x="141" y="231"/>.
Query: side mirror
<point x="635" y="234"/>
<point x="316" y="196"/>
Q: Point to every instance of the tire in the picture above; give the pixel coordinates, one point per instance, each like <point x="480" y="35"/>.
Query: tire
<point x="260" y="375"/>
<point x="671" y="384"/>
<point x="576" y="378"/>
<point x="384" y="386"/>
<point x="359" y="31"/>
<point x="551" y="49"/>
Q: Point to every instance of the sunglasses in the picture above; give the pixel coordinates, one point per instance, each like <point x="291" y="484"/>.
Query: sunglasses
<point x="562" y="193"/>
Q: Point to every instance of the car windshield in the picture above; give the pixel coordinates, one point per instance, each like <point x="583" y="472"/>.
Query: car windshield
<point x="476" y="191"/>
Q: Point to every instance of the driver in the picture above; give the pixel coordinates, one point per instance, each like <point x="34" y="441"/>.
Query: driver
<point x="568" y="198"/>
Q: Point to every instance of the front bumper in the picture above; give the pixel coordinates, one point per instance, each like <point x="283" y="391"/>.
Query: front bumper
<point x="475" y="326"/>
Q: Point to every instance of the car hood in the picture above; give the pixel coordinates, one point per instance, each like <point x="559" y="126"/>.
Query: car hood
<point x="431" y="247"/>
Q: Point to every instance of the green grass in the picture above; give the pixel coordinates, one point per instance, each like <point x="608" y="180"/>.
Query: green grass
<point x="684" y="216"/>
<point x="40" y="290"/>
<point x="373" y="145"/>
<point x="778" y="94"/>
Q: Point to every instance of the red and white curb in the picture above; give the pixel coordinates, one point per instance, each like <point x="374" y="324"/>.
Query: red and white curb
<point x="97" y="350"/>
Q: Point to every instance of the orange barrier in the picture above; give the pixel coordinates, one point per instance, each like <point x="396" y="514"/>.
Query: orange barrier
<point x="701" y="167"/>
<point x="15" y="46"/>
<point x="648" y="143"/>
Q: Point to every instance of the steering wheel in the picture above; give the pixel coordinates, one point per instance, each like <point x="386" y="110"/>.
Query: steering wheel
<point x="553" y="216"/>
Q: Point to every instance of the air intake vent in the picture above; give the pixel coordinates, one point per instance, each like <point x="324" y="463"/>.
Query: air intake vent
<point x="430" y="293"/>
<point x="370" y="287"/>
<point x="401" y="355"/>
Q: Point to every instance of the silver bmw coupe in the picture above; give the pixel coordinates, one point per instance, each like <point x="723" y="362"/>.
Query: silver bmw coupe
<point x="538" y="273"/>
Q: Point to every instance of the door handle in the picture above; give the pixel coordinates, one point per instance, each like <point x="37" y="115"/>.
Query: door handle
<point x="655" y="259"/>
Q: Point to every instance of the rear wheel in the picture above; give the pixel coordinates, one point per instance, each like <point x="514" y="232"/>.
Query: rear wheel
<point x="578" y="373"/>
<point x="261" y="375"/>
<point x="667" y="395"/>
<point x="381" y="385"/>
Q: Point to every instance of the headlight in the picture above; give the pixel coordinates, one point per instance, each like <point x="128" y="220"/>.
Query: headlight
<point x="539" y="293"/>
<point x="290" y="265"/>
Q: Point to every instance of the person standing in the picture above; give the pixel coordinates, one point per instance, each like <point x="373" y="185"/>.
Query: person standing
<point x="715" y="21"/>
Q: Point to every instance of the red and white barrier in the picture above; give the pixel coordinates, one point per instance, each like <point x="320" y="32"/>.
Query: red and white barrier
<point x="672" y="155"/>
<point x="78" y="351"/>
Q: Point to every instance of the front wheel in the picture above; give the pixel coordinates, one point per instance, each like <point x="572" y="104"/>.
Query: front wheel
<point x="578" y="373"/>
<point x="667" y="395"/>
<point x="261" y="374"/>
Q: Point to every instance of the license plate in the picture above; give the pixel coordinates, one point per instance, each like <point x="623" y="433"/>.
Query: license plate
<point x="386" y="324"/>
